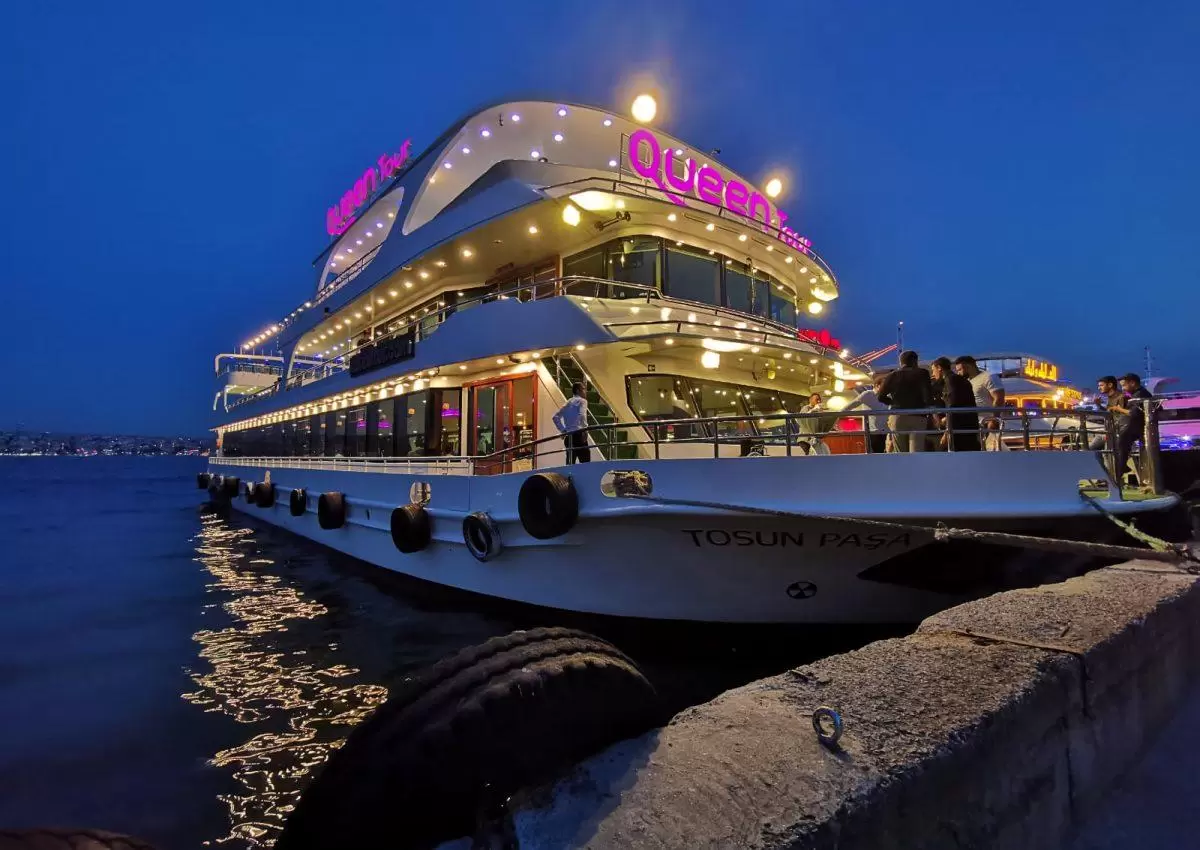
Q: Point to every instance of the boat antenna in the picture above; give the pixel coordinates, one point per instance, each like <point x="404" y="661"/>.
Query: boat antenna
<point x="1149" y="365"/>
<point x="899" y="340"/>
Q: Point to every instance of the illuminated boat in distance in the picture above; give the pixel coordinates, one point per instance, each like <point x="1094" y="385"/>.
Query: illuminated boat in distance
<point x="1057" y="410"/>
<point x="537" y="245"/>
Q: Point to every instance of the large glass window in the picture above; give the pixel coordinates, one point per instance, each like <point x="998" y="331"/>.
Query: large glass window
<point x="783" y="306"/>
<point x="588" y="264"/>
<point x="356" y="432"/>
<point x="716" y="399"/>
<point x="416" y="410"/>
<point x="634" y="260"/>
<point x="381" y="427"/>
<point x="738" y="288"/>
<point x="655" y="397"/>
<point x="762" y="295"/>
<point x="335" y="433"/>
<point x="447" y="409"/>
<point x="693" y="275"/>
<point x="316" y="442"/>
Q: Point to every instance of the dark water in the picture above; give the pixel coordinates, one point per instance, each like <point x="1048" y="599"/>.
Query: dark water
<point x="178" y="676"/>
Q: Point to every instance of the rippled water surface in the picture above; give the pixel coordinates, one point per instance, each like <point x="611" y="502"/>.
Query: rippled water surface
<point x="176" y="675"/>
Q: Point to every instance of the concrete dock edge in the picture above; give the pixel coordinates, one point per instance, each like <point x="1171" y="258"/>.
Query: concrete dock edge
<point x="997" y="724"/>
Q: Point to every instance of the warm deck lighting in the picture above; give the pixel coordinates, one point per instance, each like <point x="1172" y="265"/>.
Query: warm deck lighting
<point x="710" y="227"/>
<point x="644" y="108"/>
<point x="570" y="215"/>
<point x="774" y="187"/>
<point x="816" y="307"/>
<point x="710" y="360"/>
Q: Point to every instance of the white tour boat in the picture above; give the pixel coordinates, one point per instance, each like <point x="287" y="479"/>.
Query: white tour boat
<point x="403" y="413"/>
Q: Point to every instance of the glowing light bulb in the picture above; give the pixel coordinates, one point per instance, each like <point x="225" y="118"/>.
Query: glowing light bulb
<point x="644" y="108"/>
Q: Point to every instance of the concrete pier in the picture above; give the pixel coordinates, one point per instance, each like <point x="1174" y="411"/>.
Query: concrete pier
<point x="997" y="724"/>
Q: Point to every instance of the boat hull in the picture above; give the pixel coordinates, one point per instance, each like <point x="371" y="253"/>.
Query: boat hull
<point x="668" y="561"/>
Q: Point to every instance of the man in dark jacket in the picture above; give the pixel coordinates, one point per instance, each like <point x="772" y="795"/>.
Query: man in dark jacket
<point x="963" y="431"/>
<point x="1133" y="411"/>
<point x="908" y="388"/>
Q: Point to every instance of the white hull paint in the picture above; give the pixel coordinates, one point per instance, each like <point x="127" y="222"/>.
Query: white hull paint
<point x="635" y="558"/>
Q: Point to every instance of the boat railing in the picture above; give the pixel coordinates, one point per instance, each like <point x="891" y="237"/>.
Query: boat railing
<point x="255" y="368"/>
<point x="776" y="434"/>
<point x="347" y="274"/>
<point x="424" y="465"/>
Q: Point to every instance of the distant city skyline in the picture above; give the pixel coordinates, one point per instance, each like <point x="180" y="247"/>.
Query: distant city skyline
<point x="1019" y="178"/>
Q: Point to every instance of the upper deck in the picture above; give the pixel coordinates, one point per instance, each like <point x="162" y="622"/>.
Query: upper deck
<point x="529" y="191"/>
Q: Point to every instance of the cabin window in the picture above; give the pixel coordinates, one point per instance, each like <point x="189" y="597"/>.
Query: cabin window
<point x="739" y="294"/>
<point x="654" y="397"/>
<point x="634" y="260"/>
<point x="693" y="276"/>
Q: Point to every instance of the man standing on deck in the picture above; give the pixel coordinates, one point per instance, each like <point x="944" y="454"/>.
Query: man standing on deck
<point x="908" y="388"/>
<point x="1134" y="409"/>
<point x="570" y="421"/>
<point x="989" y="392"/>
<point x="868" y="399"/>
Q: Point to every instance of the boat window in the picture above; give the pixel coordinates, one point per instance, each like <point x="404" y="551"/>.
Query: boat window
<point x="716" y="399"/>
<point x="356" y="432"/>
<point x="664" y="397"/>
<point x="335" y="434"/>
<point x="634" y="260"/>
<point x="738" y="289"/>
<point x="783" y="305"/>
<point x="316" y="442"/>
<point x="766" y="403"/>
<point x="693" y="275"/>
<point x="444" y="438"/>
<point x="303" y="437"/>
<point x="762" y="295"/>
<point x="588" y="264"/>
<point x="415" y="407"/>
<point x="381" y="428"/>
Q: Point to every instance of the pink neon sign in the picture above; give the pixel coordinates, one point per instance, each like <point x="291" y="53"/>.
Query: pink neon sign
<point x="707" y="184"/>
<point x="342" y="214"/>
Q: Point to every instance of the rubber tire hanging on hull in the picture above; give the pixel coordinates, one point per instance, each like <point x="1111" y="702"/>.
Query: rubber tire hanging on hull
<point x="203" y="480"/>
<point x="298" y="502"/>
<point x="464" y="734"/>
<point x="411" y="529"/>
<point x="548" y="505"/>
<point x="331" y="510"/>
<point x="231" y="485"/>
<point x="482" y="536"/>
<point x="216" y="486"/>
<point x="264" y="494"/>
<point x="68" y="839"/>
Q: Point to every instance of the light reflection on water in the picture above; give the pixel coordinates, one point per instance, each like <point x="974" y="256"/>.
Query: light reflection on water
<point x="269" y="669"/>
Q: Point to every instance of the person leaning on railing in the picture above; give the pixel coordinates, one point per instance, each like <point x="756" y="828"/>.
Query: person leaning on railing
<point x="989" y="392"/>
<point x="1134" y="409"/>
<point x="908" y="388"/>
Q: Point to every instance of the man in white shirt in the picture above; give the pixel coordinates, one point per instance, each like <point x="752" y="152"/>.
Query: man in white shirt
<point x="868" y="399"/>
<point x="811" y="425"/>
<point x="989" y="392"/>
<point x="570" y="421"/>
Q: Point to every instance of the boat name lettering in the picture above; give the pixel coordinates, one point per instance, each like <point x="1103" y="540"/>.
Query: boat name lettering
<point x="707" y="184"/>
<point x="827" y="539"/>
<point x="341" y="215"/>
<point x="1040" y="370"/>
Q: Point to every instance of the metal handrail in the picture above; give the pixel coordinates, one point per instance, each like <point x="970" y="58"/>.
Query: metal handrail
<point x="348" y="274"/>
<point x="793" y="437"/>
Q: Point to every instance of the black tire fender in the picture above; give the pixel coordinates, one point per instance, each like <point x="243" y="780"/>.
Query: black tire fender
<point x="264" y="494"/>
<point x="231" y="485"/>
<point x="298" y="502"/>
<point x="411" y="528"/>
<point x="548" y="505"/>
<point x="461" y="736"/>
<point x="331" y="510"/>
<point x="482" y="536"/>
<point x="203" y="480"/>
<point x="216" y="485"/>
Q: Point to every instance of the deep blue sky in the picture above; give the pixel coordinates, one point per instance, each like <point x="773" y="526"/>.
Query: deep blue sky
<point x="1023" y="175"/>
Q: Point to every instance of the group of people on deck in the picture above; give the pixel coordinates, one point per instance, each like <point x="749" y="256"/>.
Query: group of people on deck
<point x="961" y="384"/>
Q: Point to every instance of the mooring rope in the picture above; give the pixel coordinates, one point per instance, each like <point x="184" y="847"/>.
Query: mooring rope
<point x="1177" y="554"/>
